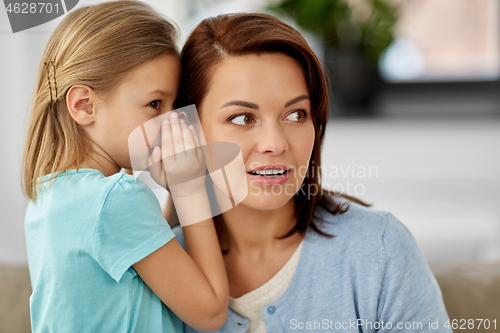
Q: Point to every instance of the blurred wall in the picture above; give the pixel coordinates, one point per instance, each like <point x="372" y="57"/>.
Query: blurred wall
<point x="18" y="65"/>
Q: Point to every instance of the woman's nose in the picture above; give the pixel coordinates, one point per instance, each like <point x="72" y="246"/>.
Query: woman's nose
<point x="272" y="139"/>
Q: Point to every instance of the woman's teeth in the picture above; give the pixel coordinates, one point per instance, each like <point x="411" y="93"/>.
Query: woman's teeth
<point x="269" y="173"/>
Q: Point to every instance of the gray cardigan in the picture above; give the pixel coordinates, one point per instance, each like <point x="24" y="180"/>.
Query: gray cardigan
<point x="371" y="277"/>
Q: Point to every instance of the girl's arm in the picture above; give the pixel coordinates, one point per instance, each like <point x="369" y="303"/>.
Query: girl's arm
<point x="193" y="286"/>
<point x="192" y="282"/>
<point x="170" y="213"/>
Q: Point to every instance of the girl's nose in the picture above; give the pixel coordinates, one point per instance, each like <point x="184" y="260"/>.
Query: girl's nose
<point x="271" y="140"/>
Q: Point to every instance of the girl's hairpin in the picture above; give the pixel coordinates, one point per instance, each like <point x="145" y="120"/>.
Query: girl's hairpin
<point x="52" y="99"/>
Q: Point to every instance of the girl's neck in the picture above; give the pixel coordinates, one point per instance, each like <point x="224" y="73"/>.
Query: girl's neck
<point x="252" y="233"/>
<point x="99" y="160"/>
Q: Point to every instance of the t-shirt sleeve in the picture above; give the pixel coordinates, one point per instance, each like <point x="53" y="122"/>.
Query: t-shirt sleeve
<point x="410" y="298"/>
<point x="129" y="228"/>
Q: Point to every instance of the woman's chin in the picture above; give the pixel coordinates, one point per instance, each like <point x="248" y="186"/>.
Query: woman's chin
<point x="266" y="200"/>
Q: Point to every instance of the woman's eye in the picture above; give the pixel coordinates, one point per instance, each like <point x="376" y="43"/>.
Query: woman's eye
<point x="298" y="116"/>
<point x="242" y="120"/>
<point x="155" y="104"/>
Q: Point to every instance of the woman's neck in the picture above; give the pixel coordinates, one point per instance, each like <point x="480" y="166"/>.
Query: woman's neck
<point x="252" y="233"/>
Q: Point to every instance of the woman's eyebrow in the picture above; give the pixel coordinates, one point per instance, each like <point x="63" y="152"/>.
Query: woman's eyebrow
<point x="256" y="107"/>
<point x="296" y="100"/>
<point x="242" y="103"/>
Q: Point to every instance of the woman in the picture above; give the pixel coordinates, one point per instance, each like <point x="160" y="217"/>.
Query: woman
<point x="297" y="257"/>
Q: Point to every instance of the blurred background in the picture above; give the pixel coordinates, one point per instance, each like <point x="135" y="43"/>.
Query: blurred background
<point x="415" y="114"/>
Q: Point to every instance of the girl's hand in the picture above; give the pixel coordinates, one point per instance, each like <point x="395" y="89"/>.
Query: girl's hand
<point x="194" y="284"/>
<point x="180" y="160"/>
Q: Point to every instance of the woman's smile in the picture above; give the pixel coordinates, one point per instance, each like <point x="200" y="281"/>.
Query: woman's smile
<point x="270" y="175"/>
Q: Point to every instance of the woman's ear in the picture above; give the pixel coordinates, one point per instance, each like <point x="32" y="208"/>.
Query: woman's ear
<point x="80" y="101"/>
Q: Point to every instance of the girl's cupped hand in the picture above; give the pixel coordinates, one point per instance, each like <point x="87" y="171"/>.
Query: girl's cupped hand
<point x="178" y="165"/>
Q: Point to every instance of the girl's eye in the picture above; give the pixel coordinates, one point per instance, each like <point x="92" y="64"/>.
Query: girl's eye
<point x="155" y="104"/>
<point x="242" y="120"/>
<point x="299" y="116"/>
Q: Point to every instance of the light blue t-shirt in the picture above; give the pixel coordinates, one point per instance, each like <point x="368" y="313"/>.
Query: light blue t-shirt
<point x="371" y="277"/>
<point x="83" y="235"/>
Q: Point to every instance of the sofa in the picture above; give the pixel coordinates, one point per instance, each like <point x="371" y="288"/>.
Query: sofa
<point x="15" y="291"/>
<point x="471" y="290"/>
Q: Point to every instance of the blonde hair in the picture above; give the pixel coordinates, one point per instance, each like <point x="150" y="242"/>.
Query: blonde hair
<point x="94" y="46"/>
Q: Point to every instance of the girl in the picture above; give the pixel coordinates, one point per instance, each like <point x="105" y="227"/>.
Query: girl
<point x="298" y="258"/>
<point x="102" y="258"/>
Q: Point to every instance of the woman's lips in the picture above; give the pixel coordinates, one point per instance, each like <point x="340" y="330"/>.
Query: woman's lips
<point x="270" y="180"/>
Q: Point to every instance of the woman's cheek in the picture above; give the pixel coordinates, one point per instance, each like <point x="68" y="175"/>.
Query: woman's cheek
<point x="244" y="139"/>
<point x="303" y="141"/>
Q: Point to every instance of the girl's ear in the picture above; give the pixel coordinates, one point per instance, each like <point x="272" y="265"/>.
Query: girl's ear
<point x="80" y="101"/>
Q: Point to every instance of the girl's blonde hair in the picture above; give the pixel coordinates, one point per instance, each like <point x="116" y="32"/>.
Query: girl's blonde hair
<point x="94" y="46"/>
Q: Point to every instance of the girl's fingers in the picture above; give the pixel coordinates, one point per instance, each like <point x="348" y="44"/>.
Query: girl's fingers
<point x="189" y="142"/>
<point x="167" y="145"/>
<point x="155" y="166"/>
<point x="195" y="136"/>
<point x="152" y="159"/>
<point x="199" y="152"/>
<point x="177" y="139"/>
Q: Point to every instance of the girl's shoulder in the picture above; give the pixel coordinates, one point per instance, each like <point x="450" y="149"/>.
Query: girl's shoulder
<point x="128" y="193"/>
<point x="95" y="179"/>
<point x="91" y="186"/>
<point x="82" y="181"/>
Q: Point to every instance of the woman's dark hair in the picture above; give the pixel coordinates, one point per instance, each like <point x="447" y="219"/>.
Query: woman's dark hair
<point x="231" y="35"/>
